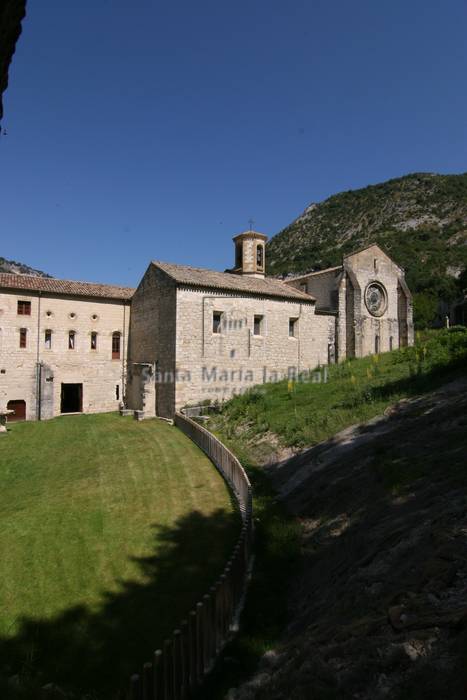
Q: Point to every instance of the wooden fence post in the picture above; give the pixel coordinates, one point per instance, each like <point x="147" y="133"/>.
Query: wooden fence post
<point x="207" y="604"/>
<point x="168" y="669"/>
<point x="177" y="664"/>
<point x="223" y="607"/>
<point x="228" y="599"/>
<point x="135" y="687"/>
<point x="148" y="682"/>
<point x="193" y="654"/>
<point x="213" y="595"/>
<point x="158" y="676"/>
<point x="200" y="641"/>
<point x="184" y="656"/>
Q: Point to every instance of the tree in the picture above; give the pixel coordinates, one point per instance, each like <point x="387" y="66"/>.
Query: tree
<point x="425" y="308"/>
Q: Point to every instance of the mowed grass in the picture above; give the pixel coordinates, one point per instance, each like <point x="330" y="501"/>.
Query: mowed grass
<point x="110" y="531"/>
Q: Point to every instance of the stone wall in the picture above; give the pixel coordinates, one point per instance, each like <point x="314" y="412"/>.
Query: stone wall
<point x="322" y="286"/>
<point x="214" y="366"/>
<point x="24" y="370"/>
<point x="249" y="242"/>
<point x="343" y="289"/>
<point x="363" y="268"/>
<point x="152" y="340"/>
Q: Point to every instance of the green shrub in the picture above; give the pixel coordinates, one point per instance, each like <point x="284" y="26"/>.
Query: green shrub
<point x="425" y="307"/>
<point x="358" y="389"/>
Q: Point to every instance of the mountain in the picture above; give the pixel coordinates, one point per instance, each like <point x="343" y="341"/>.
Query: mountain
<point x="18" y="268"/>
<point x="419" y="219"/>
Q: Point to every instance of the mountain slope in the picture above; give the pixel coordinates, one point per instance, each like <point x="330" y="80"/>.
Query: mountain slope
<point x="420" y="219"/>
<point x="18" y="268"/>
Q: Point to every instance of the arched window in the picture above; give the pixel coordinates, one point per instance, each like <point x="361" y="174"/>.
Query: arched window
<point x="238" y="254"/>
<point x="48" y="339"/>
<point x="23" y="337"/>
<point x="116" y="345"/>
<point x="260" y="256"/>
<point x="93" y="340"/>
<point x="71" y="340"/>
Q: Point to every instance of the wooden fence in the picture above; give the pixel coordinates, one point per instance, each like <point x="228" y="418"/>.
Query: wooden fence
<point x="179" y="667"/>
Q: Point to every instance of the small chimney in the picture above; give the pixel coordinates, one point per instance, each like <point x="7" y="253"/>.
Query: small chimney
<point x="250" y="254"/>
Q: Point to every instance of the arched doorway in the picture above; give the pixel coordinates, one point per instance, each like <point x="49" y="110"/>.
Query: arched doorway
<point x="19" y="408"/>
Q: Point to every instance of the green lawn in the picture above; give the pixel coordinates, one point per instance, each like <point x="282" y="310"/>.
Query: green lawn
<point x="110" y="530"/>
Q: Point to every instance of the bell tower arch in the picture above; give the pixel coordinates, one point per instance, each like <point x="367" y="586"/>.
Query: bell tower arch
<point x="250" y="254"/>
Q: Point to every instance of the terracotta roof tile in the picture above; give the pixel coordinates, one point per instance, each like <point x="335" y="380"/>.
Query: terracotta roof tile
<point x="51" y="285"/>
<point x="199" y="277"/>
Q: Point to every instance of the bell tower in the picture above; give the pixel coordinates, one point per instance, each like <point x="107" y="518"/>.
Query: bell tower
<point x="250" y="254"/>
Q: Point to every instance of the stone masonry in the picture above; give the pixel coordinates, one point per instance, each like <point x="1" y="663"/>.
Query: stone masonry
<point x="35" y="373"/>
<point x="188" y="335"/>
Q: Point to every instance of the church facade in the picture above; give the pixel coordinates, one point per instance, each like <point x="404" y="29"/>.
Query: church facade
<point x="188" y="335"/>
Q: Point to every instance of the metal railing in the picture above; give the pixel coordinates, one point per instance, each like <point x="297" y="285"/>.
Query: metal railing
<point x="179" y="667"/>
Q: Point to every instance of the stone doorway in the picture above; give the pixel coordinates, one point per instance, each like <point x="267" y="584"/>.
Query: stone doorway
<point x="71" y="398"/>
<point x="19" y="408"/>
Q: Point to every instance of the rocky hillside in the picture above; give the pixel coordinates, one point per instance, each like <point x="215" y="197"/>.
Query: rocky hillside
<point x="378" y="610"/>
<point x="18" y="268"/>
<point x="420" y="219"/>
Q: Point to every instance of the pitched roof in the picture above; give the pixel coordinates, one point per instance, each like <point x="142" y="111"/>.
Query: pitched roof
<point x="257" y="286"/>
<point x="51" y="285"/>
<point x="318" y="272"/>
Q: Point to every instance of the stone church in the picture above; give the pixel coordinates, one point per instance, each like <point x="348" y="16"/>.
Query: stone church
<point x="188" y="335"/>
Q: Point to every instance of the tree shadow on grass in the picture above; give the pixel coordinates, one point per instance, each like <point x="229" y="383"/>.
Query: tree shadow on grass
<point x="92" y="652"/>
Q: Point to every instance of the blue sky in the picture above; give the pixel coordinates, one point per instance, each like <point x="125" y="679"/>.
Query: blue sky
<point x="155" y="130"/>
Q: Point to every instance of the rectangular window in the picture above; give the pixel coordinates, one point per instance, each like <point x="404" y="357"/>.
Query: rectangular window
<point x="23" y="337"/>
<point x="216" y="322"/>
<point x="115" y="346"/>
<point x="258" y="325"/>
<point x="93" y="341"/>
<point x="377" y="344"/>
<point x="24" y="308"/>
<point x="48" y="340"/>
<point x="117" y="392"/>
<point x="71" y="340"/>
<point x="293" y="327"/>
